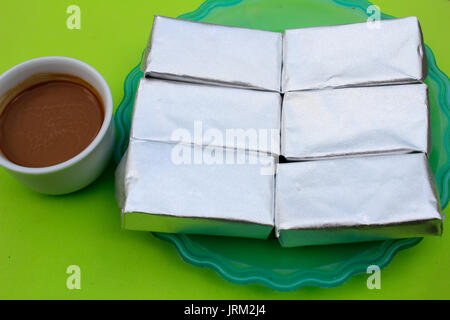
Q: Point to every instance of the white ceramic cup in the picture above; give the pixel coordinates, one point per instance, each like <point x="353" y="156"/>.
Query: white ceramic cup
<point x="85" y="167"/>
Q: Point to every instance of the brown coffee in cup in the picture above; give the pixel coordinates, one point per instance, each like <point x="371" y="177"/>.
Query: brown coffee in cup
<point x="49" y="119"/>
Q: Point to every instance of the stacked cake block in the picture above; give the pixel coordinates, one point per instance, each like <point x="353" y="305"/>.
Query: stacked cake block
<point x="204" y="140"/>
<point x="356" y="108"/>
<point x="219" y="105"/>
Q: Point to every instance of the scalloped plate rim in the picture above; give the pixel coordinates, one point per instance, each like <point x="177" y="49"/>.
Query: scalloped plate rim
<point x="384" y="255"/>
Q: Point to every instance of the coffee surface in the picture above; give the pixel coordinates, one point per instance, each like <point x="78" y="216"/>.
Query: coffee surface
<point x="49" y="123"/>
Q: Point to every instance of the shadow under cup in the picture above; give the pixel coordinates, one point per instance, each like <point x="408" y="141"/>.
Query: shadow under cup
<point x="56" y="128"/>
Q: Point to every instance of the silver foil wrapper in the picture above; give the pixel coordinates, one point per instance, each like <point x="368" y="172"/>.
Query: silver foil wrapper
<point x="207" y="53"/>
<point x="355" y="121"/>
<point x="173" y="111"/>
<point x="356" y="199"/>
<point x="174" y="188"/>
<point x="382" y="52"/>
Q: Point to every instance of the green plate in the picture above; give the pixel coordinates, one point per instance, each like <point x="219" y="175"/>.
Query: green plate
<point x="245" y="261"/>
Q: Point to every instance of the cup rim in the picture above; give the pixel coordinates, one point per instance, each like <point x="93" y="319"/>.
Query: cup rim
<point x="108" y="109"/>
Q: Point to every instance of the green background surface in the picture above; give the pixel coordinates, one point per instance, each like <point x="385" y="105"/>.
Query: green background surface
<point x="42" y="235"/>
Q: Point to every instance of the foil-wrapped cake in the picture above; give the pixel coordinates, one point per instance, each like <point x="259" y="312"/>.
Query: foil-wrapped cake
<point x="358" y="54"/>
<point x="355" y="121"/>
<point x="356" y="199"/>
<point x="207" y="53"/>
